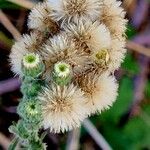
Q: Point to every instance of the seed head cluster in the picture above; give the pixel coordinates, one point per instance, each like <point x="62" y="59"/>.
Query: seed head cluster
<point x="80" y="44"/>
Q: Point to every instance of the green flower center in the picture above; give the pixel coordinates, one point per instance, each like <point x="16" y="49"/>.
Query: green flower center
<point x="102" y="56"/>
<point x="32" y="106"/>
<point x="32" y="109"/>
<point x="62" y="68"/>
<point x="30" y="58"/>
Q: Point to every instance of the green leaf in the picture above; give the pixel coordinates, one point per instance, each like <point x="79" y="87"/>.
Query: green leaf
<point x="130" y="64"/>
<point x="14" y="143"/>
<point x="122" y="103"/>
<point x="130" y="32"/>
<point x="147" y="89"/>
<point x="4" y="4"/>
<point x="43" y="135"/>
<point x="109" y="119"/>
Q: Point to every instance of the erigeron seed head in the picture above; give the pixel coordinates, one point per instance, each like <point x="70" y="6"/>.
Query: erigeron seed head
<point x="62" y="107"/>
<point x="113" y="16"/>
<point x="73" y="10"/>
<point x="92" y="34"/>
<point x="39" y="19"/>
<point x="100" y="91"/>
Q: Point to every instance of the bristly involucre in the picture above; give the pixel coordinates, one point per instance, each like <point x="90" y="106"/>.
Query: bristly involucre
<point x="76" y="46"/>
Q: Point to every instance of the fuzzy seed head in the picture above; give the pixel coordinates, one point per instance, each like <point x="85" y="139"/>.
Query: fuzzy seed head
<point x="100" y="91"/>
<point x="39" y="19"/>
<point x="94" y="35"/>
<point x="62" y="108"/>
<point x="73" y="10"/>
<point x="113" y="17"/>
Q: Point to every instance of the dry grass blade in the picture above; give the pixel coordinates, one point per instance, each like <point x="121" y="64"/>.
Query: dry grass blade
<point x="9" y="26"/>
<point x="4" y="141"/>
<point x="9" y="85"/>
<point x="128" y="3"/>
<point x="99" y="139"/>
<point x="24" y="3"/>
<point x="138" y="48"/>
<point x="73" y="140"/>
<point x="5" y="42"/>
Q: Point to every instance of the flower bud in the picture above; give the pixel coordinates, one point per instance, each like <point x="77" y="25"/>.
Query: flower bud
<point x="31" y="88"/>
<point x="30" y="110"/>
<point x="32" y="65"/>
<point x="62" y="73"/>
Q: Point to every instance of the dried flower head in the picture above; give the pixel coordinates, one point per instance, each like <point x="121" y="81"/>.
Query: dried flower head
<point x="113" y="17"/>
<point x="62" y="108"/>
<point x="39" y="18"/>
<point x="73" y="10"/>
<point x="58" y="48"/>
<point x="61" y="48"/>
<point x="116" y="53"/>
<point x="95" y="36"/>
<point x="100" y="91"/>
